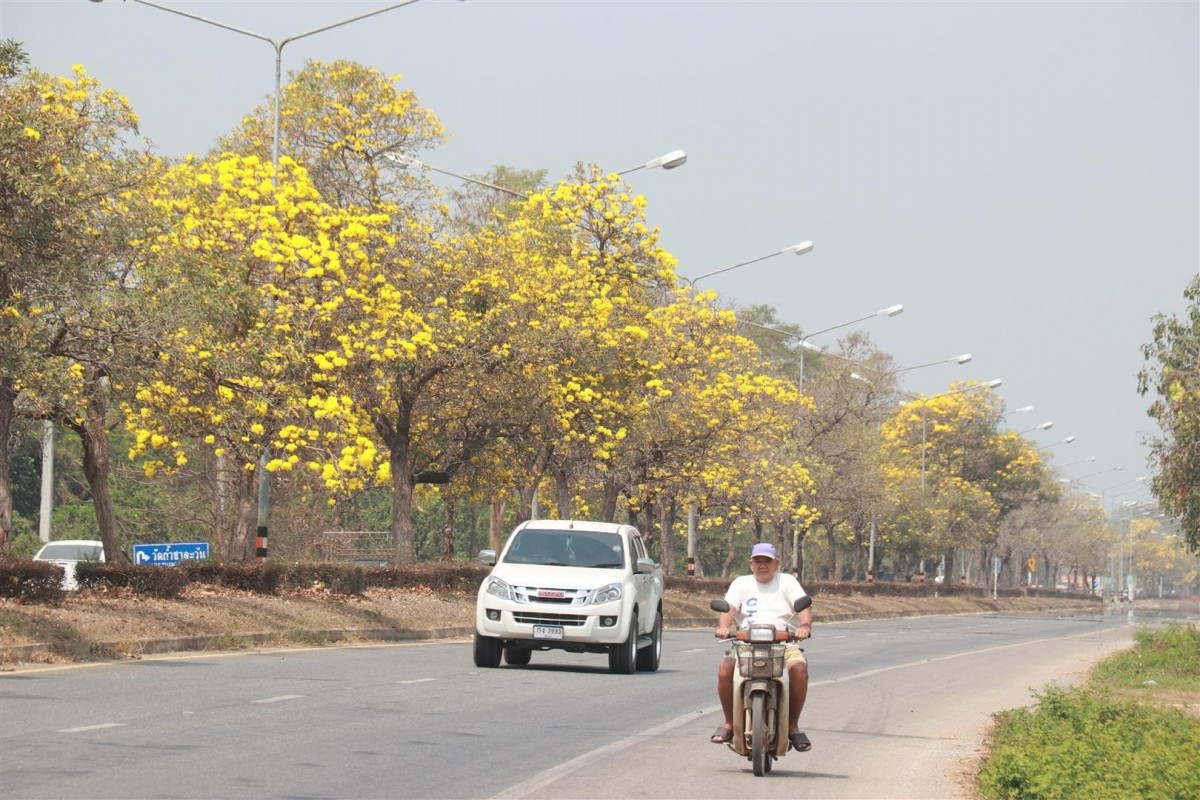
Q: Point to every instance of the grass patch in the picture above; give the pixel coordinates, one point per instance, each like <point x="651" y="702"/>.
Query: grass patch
<point x="41" y="629"/>
<point x="1116" y="736"/>
<point x="1167" y="659"/>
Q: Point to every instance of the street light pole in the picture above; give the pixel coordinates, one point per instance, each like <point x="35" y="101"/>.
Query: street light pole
<point x="669" y="161"/>
<point x="890" y="311"/>
<point x="799" y="249"/>
<point x="264" y="480"/>
<point x="278" y="46"/>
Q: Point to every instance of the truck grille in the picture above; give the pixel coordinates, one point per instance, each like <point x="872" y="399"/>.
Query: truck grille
<point x="566" y="620"/>
<point x="551" y="595"/>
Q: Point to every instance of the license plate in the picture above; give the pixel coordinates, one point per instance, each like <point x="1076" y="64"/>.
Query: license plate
<point x="547" y="632"/>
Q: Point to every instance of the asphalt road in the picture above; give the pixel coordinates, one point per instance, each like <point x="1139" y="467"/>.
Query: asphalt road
<point x="894" y="707"/>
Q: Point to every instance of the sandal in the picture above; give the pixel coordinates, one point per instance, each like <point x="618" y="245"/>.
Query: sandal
<point x="800" y="742"/>
<point x="722" y="735"/>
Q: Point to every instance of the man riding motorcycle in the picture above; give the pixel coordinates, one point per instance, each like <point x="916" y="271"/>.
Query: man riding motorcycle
<point x="766" y="596"/>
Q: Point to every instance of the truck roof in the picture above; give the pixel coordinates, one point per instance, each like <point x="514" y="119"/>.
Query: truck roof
<point x="576" y="525"/>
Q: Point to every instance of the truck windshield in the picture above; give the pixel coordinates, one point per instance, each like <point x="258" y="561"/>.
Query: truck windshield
<point x="567" y="548"/>
<point x="71" y="551"/>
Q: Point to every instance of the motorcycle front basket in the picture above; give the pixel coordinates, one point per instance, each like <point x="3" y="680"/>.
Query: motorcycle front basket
<point x="760" y="661"/>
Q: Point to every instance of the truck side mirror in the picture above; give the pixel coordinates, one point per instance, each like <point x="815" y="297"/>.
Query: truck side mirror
<point x="645" y="565"/>
<point x="487" y="557"/>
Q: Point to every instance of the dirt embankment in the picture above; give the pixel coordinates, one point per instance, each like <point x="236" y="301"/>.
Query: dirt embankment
<point x="114" y="624"/>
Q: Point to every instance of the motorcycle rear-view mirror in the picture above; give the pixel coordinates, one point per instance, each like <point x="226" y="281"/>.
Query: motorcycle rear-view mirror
<point x="801" y="604"/>
<point x="719" y="605"/>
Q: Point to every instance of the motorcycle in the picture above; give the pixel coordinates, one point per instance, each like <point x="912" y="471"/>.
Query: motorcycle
<point x="760" y="690"/>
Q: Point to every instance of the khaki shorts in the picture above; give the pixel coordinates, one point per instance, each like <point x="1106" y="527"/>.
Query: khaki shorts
<point x="792" y="654"/>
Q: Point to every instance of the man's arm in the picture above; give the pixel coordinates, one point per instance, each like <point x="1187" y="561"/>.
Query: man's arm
<point x="725" y="623"/>
<point x="804" y="623"/>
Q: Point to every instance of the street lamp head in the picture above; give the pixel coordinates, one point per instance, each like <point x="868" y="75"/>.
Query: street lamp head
<point x="798" y="249"/>
<point x="891" y="311"/>
<point x="671" y="160"/>
<point x="1021" y="410"/>
<point x="963" y="359"/>
<point x="1068" y="440"/>
<point x="1045" y="426"/>
<point x="403" y="159"/>
<point x="992" y="384"/>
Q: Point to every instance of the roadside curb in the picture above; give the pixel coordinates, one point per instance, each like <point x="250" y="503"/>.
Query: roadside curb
<point x="16" y="655"/>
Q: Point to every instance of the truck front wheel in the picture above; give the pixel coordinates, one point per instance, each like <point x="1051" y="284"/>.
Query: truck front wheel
<point x="487" y="651"/>
<point x="622" y="658"/>
<point x="647" y="657"/>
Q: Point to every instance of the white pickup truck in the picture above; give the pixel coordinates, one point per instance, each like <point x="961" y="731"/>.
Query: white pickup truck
<point x="571" y="585"/>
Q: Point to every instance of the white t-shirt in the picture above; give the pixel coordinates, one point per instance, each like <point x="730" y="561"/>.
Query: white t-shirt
<point x="765" y="603"/>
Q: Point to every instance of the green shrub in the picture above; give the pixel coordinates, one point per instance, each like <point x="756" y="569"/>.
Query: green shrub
<point x="31" y="581"/>
<point x="337" y="578"/>
<point x="163" y="582"/>
<point x="1099" y="741"/>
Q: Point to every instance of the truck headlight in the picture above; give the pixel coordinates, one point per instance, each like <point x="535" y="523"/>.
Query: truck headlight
<point x="499" y="588"/>
<point x="606" y="594"/>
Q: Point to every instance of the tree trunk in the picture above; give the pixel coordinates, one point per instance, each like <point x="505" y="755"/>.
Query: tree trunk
<point x="8" y="402"/>
<point x="403" y="533"/>
<point x="396" y="433"/>
<point x="93" y="434"/>
<point x="800" y="555"/>
<point x="239" y="543"/>
<point x="730" y="555"/>
<point x="447" y="528"/>
<point x="608" y="511"/>
<point x="832" y="541"/>
<point x="562" y="493"/>
<point x="525" y="503"/>
<point x="666" y="535"/>
<point x="496" y="524"/>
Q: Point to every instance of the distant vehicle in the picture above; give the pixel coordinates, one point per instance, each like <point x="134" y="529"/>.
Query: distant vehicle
<point x="66" y="553"/>
<point x="571" y="585"/>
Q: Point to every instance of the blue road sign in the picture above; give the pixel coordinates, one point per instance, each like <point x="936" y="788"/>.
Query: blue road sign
<point x="170" y="553"/>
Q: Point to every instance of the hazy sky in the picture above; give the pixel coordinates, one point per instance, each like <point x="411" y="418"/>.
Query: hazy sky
<point x="1022" y="176"/>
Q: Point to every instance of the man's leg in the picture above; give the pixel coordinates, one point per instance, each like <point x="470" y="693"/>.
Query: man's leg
<point x="725" y="693"/>
<point x="797" y="693"/>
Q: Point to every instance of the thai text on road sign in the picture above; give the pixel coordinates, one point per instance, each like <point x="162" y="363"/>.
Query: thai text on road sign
<point x="169" y="553"/>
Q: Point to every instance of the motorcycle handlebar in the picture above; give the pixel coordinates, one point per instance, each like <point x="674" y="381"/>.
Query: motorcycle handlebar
<point x="744" y="636"/>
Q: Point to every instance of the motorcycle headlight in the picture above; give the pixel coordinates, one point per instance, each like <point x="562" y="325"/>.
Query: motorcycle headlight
<point x="606" y="594"/>
<point x="499" y="588"/>
<point x="762" y="633"/>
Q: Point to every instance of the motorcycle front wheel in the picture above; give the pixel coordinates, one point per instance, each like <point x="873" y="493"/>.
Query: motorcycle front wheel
<point x="759" y="754"/>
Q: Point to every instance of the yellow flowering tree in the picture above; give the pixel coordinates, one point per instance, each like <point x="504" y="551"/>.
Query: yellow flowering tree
<point x="339" y="120"/>
<point x="953" y="474"/>
<point x="262" y="277"/>
<point x="67" y="150"/>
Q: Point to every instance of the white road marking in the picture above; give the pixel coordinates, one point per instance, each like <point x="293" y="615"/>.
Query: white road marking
<point x="417" y="680"/>
<point x="86" y="728"/>
<point x="278" y="699"/>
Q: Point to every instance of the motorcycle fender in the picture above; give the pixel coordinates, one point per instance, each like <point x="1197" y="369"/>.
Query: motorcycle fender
<point x="741" y="702"/>
<point x="782" y="742"/>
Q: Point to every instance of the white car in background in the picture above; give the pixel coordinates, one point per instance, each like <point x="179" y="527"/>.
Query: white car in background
<point x="66" y="553"/>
